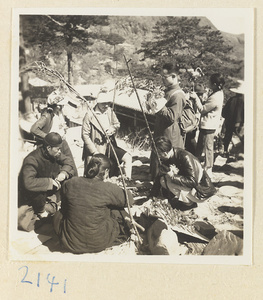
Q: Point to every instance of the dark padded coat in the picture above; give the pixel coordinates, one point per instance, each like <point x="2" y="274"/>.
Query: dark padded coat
<point x="167" y="122"/>
<point x="167" y="119"/>
<point x="189" y="173"/>
<point x="36" y="176"/>
<point x="42" y="127"/>
<point x="87" y="225"/>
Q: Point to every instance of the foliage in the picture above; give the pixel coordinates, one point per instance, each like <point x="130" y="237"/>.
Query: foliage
<point x="90" y="48"/>
<point x="183" y="41"/>
<point x="58" y="35"/>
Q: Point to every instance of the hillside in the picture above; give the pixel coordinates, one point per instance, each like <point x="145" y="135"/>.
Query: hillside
<point x="136" y="30"/>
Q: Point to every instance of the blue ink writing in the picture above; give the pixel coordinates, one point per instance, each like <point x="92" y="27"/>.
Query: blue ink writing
<point x="50" y="279"/>
<point x="65" y="283"/>
<point x="23" y="280"/>
<point x="52" y="282"/>
<point x="38" y="279"/>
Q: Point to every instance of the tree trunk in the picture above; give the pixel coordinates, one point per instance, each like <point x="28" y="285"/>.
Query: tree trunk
<point x="69" y="55"/>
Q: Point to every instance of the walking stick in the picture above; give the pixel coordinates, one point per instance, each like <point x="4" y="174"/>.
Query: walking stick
<point x="144" y="115"/>
<point x="40" y="66"/>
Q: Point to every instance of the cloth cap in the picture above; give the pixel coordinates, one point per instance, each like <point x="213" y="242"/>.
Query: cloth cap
<point x="53" y="139"/>
<point x="56" y="98"/>
<point x="104" y="97"/>
<point x="240" y="89"/>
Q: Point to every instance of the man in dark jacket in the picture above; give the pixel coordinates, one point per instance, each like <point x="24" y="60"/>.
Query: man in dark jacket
<point x="233" y="112"/>
<point x="42" y="173"/>
<point x="52" y="120"/>
<point x="167" y="119"/>
<point x="92" y="209"/>
<point x="181" y="175"/>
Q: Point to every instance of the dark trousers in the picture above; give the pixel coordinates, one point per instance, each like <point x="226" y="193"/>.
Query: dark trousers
<point x="190" y="142"/>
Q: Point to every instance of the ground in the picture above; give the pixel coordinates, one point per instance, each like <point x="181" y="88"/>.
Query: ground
<point x="224" y="210"/>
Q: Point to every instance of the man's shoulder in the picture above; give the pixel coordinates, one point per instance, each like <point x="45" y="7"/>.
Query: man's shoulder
<point x="176" y="94"/>
<point x="180" y="152"/>
<point x="75" y="180"/>
<point x="33" y="156"/>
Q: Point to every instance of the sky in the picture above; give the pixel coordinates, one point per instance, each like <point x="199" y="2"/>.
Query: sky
<point x="233" y="24"/>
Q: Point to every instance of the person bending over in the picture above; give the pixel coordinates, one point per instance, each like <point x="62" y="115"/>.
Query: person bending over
<point x="181" y="175"/>
<point x="92" y="216"/>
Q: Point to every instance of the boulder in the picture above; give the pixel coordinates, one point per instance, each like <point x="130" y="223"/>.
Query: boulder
<point x="224" y="243"/>
<point x="162" y="240"/>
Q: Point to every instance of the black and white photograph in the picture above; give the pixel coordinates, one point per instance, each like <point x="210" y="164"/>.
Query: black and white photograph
<point x="132" y="135"/>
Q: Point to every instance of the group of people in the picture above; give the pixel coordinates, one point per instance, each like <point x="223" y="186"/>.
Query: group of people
<point x="88" y="211"/>
<point x="180" y="154"/>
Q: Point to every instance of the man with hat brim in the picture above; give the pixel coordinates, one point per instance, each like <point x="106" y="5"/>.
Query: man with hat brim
<point x="233" y="112"/>
<point x="40" y="179"/>
<point x="93" y="134"/>
<point x="52" y="120"/>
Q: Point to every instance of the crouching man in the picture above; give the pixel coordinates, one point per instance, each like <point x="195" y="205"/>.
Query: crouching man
<point x="181" y="176"/>
<point x="42" y="173"/>
<point x="91" y="218"/>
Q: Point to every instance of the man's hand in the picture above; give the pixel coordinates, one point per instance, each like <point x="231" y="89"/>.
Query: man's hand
<point x="163" y="169"/>
<point x="110" y="131"/>
<point x="56" y="184"/>
<point x="62" y="176"/>
<point x="193" y="96"/>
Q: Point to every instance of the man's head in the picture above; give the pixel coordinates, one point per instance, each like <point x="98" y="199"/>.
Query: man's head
<point x="104" y="100"/>
<point x="52" y="143"/>
<point x="216" y="82"/>
<point x="56" y="98"/>
<point x="98" y="166"/>
<point x="169" y="74"/>
<point x="163" y="147"/>
<point x="200" y="91"/>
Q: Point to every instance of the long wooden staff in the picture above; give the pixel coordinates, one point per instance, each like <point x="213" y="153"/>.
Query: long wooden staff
<point x="144" y="115"/>
<point x="40" y="66"/>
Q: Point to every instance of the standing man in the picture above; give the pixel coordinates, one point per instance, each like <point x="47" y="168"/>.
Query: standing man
<point x="233" y="112"/>
<point x="42" y="173"/>
<point x="95" y="126"/>
<point x="167" y="119"/>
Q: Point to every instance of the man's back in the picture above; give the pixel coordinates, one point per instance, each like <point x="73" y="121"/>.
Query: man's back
<point x="87" y="225"/>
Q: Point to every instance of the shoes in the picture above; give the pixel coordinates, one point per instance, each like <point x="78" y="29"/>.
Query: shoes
<point x="183" y="206"/>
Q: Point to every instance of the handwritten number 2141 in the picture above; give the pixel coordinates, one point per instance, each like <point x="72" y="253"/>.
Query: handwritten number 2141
<point x="50" y="281"/>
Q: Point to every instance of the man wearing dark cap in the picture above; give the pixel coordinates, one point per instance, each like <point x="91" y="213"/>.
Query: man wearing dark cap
<point x="167" y="119"/>
<point x="233" y="112"/>
<point x="42" y="173"/>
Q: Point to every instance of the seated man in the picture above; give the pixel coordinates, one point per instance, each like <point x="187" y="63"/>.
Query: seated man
<point x="42" y="173"/>
<point x="181" y="175"/>
<point x="103" y="121"/>
<point x="92" y="215"/>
